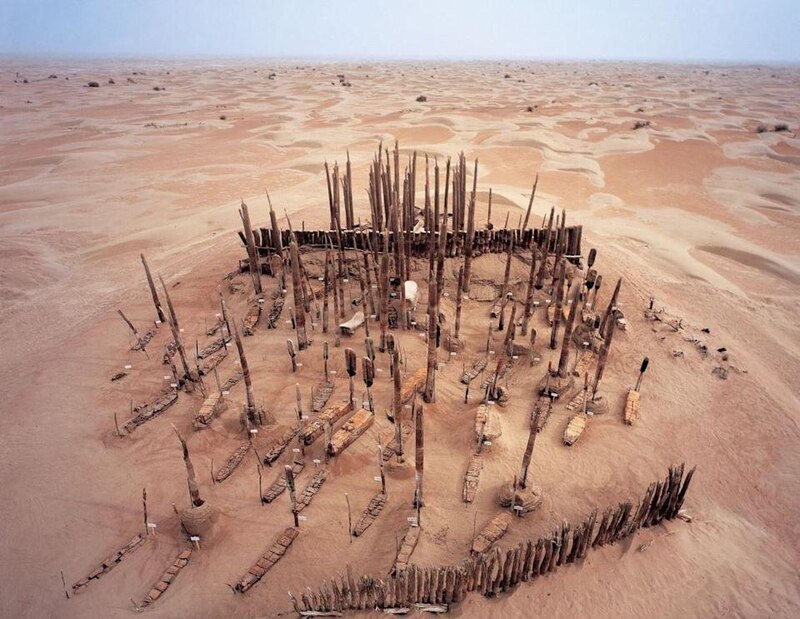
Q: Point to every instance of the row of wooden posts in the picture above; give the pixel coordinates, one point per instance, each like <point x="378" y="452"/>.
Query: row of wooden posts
<point x="495" y="571"/>
<point x="484" y="241"/>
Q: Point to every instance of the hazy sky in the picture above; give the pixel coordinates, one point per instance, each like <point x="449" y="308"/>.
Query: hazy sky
<point x="721" y="30"/>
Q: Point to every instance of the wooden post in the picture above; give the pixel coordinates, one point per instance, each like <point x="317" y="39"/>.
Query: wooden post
<point x="152" y="286"/>
<point x="252" y="252"/>
<point x="277" y="240"/>
<point x="564" y="359"/>
<point x="129" y="323"/>
<point x="299" y="400"/>
<point x="251" y="419"/>
<point x="470" y="233"/>
<point x="612" y="305"/>
<point x="290" y="485"/>
<point x="526" y="458"/>
<point x="350" y="362"/>
<point x="300" y="315"/>
<point x="349" y="518"/>
<point x="368" y="371"/>
<point x="384" y="294"/>
<point x="545" y="253"/>
<point x="642" y="370"/>
<point x="529" y="293"/>
<point x="601" y="361"/>
<point x="325" y="359"/>
<point x="397" y="411"/>
<point x="419" y="454"/>
<point x="459" y="296"/>
<point x="429" y="394"/>
<point x="327" y="287"/>
<point x="530" y="204"/>
<point x="225" y="319"/>
<point x="176" y="335"/>
<point x="292" y="354"/>
<point x="558" y="297"/>
<point x="364" y="291"/>
<point x="380" y="466"/>
<point x="194" y="490"/>
<point x="144" y="508"/>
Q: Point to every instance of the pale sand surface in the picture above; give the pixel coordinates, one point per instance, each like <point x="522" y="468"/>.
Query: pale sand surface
<point x="699" y="211"/>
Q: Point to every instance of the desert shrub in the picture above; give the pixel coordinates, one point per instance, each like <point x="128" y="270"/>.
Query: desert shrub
<point x="781" y="127"/>
<point x="94" y="85"/>
<point x="641" y="124"/>
<point x="422" y="99"/>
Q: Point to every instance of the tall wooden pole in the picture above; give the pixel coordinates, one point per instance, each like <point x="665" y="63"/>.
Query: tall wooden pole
<point x="530" y="204"/>
<point x="251" y="418"/>
<point x="252" y="252"/>
<point x="545" y="253"/>
<point x="564" y="359"/>
<point x="350" y="364"/>
<point x="419" y="454"/>
<point x="397" y="405"/>
<point x="558" y="297"/>
<point x="429" y="393"/>
<point x="601" y="361"/>
<point x="612" y="304"/>
<point x="470" y="233"/>
<point x="176" y="335"/>
<point x="300" y="315"/>
<point x="152" y="287"/>
<point x="191" y="480"/>
<point x="530" y="291"/>
<point x="526" y="458"/>
<point x="459" y="297"/>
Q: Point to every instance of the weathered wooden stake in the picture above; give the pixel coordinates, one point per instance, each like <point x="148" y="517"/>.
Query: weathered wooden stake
<point x="191" y="481"/>
<point x="144" y="508"/>
<point x="419" y="454"/>
<point x="152" y="286"/>
<point x="300" y="315"/>
<point x="350" y="362"/>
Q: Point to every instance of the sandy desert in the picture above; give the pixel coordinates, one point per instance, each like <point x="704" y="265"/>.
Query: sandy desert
<point x="698" y="209"/>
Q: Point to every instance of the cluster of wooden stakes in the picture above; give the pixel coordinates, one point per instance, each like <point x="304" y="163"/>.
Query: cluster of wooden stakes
<point x="560" y="292"/>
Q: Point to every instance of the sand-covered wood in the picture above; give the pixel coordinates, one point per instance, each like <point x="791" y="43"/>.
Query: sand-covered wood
<point x="574" y="429"/>
<point x="271" y="556"/>
<point x="360" y="422"/>
<point x="316" y="426"/>
<point x="495" y="529"/>
<point x="471" y="478"/>
<point x="212" y="406"/>
<point x="632" y="410"/>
